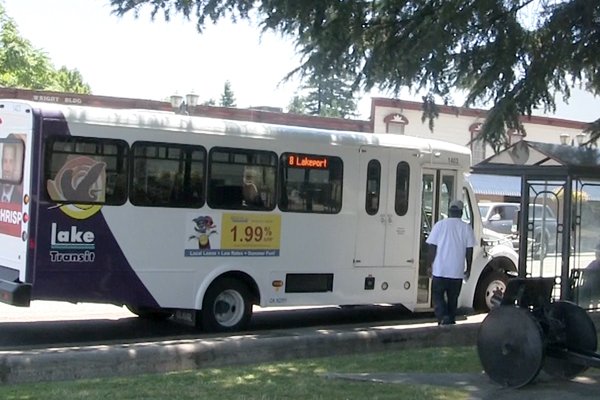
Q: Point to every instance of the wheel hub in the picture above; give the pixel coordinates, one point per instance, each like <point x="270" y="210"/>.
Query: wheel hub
<point x="494" y="293"/>
<point x="229" y="308"/>
<point x="221" y="307"/>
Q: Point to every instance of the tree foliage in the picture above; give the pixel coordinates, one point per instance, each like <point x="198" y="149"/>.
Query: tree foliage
<point x="327" y="95"/>
<point x="297" y="105"/>
<point x="70" y="81"/>
<point x="23" y="66"/>
<point x="227" y="97"/>
<point x="515" y="55"/>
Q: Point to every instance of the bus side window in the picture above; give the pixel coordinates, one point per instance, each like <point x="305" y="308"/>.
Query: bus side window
<point x="86" y="170"/>
<point x="167" y="175"/>
<point x="242" y="179"/>
<point x="311" y="183"/>
<point x="402" y="188"/>
<point x="373" y="187"/>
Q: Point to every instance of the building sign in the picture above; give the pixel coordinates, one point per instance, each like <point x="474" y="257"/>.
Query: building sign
<point x="58" y="99"/>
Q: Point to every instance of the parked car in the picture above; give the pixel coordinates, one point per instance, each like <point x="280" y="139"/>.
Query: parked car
<point x="503" y="218"/>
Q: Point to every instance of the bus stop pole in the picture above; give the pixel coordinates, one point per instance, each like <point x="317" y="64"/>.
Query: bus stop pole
<point x="565" y="292"/>
<point x="523" y="218"/>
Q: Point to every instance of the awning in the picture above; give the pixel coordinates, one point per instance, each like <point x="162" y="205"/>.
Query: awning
<point x="496" y="185"/>
<point x="543" y="160"/>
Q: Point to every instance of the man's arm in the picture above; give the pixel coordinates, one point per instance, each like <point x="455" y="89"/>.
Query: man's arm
<point x="431" y="251"/>
<point x="469" y="258"/>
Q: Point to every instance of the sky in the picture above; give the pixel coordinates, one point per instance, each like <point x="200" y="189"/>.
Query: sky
<point x="141" y="58"/>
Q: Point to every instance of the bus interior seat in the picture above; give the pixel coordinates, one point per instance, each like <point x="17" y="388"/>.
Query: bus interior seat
<point x="227" y="196"/>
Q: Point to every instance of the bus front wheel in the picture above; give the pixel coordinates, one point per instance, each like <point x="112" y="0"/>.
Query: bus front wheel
<point x="492" y="284"/>
<point x="226" y="306"/>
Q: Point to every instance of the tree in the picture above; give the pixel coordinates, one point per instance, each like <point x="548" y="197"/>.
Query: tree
<point x="23" y="66"/>
<point x="70" y="81"/>
<point x="297" y="105"/>
<point x="516" y="55"/>
<point x="326" y="97"/>
<point x="329" y="95"/>
<point x="227" y="97"/>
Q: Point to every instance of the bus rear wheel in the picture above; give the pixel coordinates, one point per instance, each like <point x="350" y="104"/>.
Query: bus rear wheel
<point x="226" y="307"/>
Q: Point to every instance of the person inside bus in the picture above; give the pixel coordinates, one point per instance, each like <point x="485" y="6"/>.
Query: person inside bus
<point x="450" y="244"/>
<point x="251" y="196"/>
<point x="10" y="193"/>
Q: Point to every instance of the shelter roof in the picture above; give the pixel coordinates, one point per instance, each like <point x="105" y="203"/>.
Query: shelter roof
<point x="526" y="158"/>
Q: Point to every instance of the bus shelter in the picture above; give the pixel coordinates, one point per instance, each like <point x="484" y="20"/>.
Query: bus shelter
<point x="557" y="227"/>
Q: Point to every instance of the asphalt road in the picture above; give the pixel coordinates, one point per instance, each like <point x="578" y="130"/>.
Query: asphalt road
<point x="57" y="324"/>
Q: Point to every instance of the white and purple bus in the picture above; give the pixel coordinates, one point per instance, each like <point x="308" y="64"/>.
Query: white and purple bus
<point x="204" y="218"/>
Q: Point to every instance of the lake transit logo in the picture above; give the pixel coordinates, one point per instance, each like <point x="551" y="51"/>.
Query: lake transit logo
<point x="81" y="179"/>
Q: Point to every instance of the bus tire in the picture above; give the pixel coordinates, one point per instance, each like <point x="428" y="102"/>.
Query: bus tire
<point x="226" y="306"/>
<point x="492" y="283"/>
<point x="155" y="314"/>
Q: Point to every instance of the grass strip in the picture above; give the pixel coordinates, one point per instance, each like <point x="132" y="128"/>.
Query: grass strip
<point x="303" y="379"/>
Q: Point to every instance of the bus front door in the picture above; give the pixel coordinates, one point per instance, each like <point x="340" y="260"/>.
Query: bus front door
<point x="438" y="189"/>
<point x="387" y="209"/>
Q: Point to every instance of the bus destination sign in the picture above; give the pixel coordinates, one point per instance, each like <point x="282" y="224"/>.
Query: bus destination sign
<point x="307" y="161"/>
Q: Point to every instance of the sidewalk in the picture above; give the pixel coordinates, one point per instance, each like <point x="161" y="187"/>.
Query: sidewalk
<point x="479" y="386"/>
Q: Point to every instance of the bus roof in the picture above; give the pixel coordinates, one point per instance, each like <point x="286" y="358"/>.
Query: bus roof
<point x="162" y="120"/>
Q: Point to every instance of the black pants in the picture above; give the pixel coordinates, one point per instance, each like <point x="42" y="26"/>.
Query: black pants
<point x="445" y="293"/>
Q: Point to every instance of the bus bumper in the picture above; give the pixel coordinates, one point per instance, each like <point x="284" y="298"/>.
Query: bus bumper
<point x="15" y="293"/>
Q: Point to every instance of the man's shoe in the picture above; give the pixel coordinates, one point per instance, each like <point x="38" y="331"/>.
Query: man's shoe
<point x="447" y="321"/>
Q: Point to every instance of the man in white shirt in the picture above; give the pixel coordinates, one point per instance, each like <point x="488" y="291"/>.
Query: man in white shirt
<point x="451" y="243"/>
